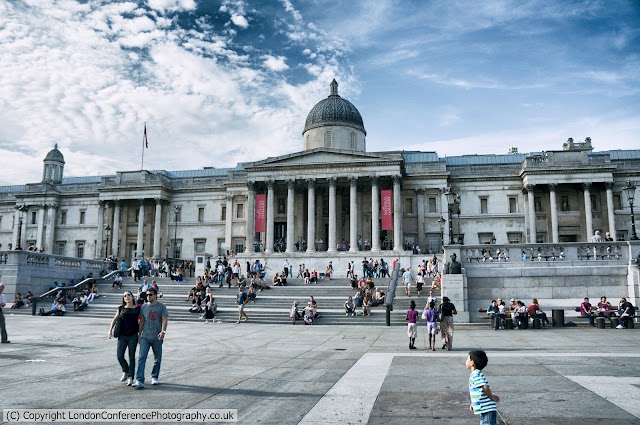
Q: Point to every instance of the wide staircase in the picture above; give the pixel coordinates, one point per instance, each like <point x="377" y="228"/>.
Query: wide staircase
<point x="271" y="306"/>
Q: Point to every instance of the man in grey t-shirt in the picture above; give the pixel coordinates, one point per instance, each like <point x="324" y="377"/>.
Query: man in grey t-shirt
<point x="152" y="328"/>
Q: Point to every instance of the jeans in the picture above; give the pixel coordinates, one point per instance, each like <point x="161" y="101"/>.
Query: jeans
<point x="488" y="418"/>
<point x="588" y="316"/>
<point x="156" y="346"/>
<point x="130" y="342"/>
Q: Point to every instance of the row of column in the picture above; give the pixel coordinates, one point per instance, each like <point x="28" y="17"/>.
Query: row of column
<point x="311" y="217"/>
<point x="553" y="201"/>
<point x="44" y="239"/>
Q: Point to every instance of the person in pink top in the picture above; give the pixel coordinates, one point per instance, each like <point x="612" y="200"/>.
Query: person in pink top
<point x="412" y="327"/>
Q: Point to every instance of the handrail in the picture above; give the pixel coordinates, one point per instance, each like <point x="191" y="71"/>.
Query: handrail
<point x="391" y="291"/>
<point x="34" y="302"/>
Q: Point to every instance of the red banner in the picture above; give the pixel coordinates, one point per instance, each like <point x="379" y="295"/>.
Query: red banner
<point x="261" y="211"/>
<point x="387" y="209"/>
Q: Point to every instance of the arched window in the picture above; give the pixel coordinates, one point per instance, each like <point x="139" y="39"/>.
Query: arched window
<point x="327" y="139"/>
<point x="353" y="141"/>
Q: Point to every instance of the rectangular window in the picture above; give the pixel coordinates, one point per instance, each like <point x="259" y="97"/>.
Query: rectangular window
<point x="238" y="244"/>
<point x="33" y="217"/>
<point x="485" y="238"/>
<point x="514" y="237"/>
<point x="621" y="235"/>
<point x="408" y="205"/>
<point x="60" y="248"/>
<point x="63" y="217"/>
<point x="617" y="202"/>
<point x="176" y="248"/>
<point x="433" y="205"/>
<point x="199" y="246"/>
<point x="513" y="205"/>
<point x="240" y="211"/>
<point x="223" y="213"/>
<point x="200" y="214"/>
<point x="82" y="216"/>
<point x="80" y="249"/>
<point x="137" y="219"/>
<point x="282" y="203"/>
<point x="537" y="203"/>
<point x="484" y="206"/>
<point x="595" y="205"/>
<point x="564" y="203"/>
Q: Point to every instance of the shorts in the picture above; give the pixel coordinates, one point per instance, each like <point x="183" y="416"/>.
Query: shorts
<point x="240" y="307"/>
<point x="407" y="284"/>
<point x="431" y="328"/>
<point x="412" y="330"/>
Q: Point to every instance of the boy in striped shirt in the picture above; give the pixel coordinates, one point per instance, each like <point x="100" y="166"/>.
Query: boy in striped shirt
<point x="483" y="402"/>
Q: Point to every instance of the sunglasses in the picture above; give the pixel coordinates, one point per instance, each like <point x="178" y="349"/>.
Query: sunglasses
<point x="150" y="293"/>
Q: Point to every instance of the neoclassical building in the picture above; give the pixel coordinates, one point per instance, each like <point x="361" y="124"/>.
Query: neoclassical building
<point x="332" y="195"/>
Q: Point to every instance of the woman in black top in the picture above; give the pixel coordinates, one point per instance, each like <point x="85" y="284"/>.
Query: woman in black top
<point x="128" y="314"/>
<point x="447" y="310"/>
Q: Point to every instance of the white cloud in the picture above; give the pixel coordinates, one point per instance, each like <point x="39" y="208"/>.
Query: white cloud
<point x="274" y="63"/>
<point x="240" y="21"/>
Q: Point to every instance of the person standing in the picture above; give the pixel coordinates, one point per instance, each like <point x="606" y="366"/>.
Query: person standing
<point x="241" y="300"/>
<point x="151" y="332"/>
<point x="407" y="279"/>
<point x="3" y="328"/>
<point x="128" y="314"/>
<point x="483" y="402"/>
<point x="431" y="315"/>
<point x="447" y="310"/>
<point x="412" y="324"/>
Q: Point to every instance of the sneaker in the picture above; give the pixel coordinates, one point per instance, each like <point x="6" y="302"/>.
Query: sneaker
<point x="619" y="327"/>
<point x="124" y="377"/>
<point x="137" y="384"/>
<point x="237" y="321"/>
<point x="129" y="381"/>
<point x="155" y="381"/>
<point x="245" y="319"/>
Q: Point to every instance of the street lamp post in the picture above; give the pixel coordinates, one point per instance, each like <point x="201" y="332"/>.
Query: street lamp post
<point x="167" y="245"/>
<point x="107" y="230"/>
<point x="451" y="197"/>
<point x="176" y="210"/>
<point x="21" y="209"/>
<point x="441" y="222"/>
<point x="630" y="191"/>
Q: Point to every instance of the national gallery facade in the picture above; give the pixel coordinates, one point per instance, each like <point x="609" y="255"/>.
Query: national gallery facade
<point x="331" y="196"/>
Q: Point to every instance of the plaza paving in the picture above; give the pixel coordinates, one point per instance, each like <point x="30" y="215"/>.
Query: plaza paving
<point x="283" y="374"/>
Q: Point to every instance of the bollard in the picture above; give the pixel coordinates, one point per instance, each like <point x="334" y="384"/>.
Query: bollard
<point x="557" y="318"/>
<point x="600" y="322"/>
<point x="537" y="323"/>
<point x="630" y="324"/>
<point x="388" y="316"/>
<point x="33" y="307"/>
<point x="614" y="322"/>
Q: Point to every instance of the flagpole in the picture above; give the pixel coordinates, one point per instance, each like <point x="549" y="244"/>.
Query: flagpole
<point x="144" y="140"/>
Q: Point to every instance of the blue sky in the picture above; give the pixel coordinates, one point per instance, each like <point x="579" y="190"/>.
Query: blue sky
<point x="226" y="81"/>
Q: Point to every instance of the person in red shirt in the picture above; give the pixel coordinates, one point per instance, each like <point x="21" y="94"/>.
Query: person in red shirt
<point x="536" y="313"/>
<point x="585" y="311"/>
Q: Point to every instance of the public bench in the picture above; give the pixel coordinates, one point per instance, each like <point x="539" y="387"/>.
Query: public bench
<point x="614" y="320"/>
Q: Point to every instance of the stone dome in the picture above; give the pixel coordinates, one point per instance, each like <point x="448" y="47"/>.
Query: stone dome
<point x="334" y="110"/>
<point x="54" y="155"/>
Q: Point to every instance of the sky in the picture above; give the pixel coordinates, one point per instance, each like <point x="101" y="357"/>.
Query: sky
<point x="219" y="82"/>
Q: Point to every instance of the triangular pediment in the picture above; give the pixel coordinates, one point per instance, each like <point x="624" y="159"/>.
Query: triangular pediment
<point x="323" y="156"/>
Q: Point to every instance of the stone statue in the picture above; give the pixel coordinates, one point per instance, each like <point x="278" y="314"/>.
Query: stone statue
<point x="454" y="267"/>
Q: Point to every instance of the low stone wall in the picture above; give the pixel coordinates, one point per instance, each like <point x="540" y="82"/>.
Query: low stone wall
<point x="23" y="271"/>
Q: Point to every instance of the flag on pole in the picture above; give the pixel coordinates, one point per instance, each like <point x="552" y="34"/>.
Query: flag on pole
<point x="146" y="142"/>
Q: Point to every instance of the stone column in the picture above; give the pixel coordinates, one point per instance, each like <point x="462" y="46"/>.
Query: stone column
<point x="397" y="214"/>
<point x="228" y="222"/>
<point x="251" y="206"/>
<point x="375" y="215"/>
<point x="311" y="217"/>
<point x="115" y="233"/>
<point x="51" y="228"/>
<point x="39" y="236"/>
<point x="100" y="242"/>
<point x="140" y="241"/>
<point x="353" y="214"/>
<point x="422" y="242"/>
<point x="16" y="224"/>
<point x="554" y="212"/>
<point x="23" y="238"/>
<point x="269" y="239"/>
<point x="610" y="213"/>
<point x="291" y="234"/>
<point x="532" y="214"/>
<point x="157" y="227"/>
<point x="587" y="211"/>
<point x="331" y="237"/>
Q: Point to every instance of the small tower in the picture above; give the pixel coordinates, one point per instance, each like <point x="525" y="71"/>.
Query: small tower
<point x="53" y="167"/>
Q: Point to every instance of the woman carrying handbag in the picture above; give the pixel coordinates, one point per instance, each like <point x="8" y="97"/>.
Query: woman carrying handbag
<point x="124" y="326"/>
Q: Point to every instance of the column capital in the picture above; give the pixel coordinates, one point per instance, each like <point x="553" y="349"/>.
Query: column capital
<point x="291" y="184"/>
<point x="141" y="201"/>
<point x="332" y="181"/>
<point x="530" y="187"/>
<point x="397" y="179"/>
<point x="102" y="203"/>
<point x="609" y="185"/>
<point x="52" y="206"/>
<point x="552" y="187"/>
<point x="117" y="202"/>
<point x="420" y="191"/>
<point x="586" y="186"/>
<point x="375" y="180"/>
<point x="229" y="197"/>
<point x="353" y="181"/>
<point x="311" y="183"/>
<point x="251" y="185"/>
<point x="270" y="184"/>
